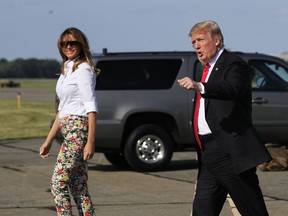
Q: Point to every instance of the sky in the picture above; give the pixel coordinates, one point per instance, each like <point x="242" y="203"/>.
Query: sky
<point x="31" y="28"/>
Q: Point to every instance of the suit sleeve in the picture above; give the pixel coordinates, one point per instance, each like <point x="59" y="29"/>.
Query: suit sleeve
<point x="233" y="81"/>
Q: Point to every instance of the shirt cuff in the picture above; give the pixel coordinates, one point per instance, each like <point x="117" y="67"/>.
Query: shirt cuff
<point x="202" y="88"/>
<point x="91" y="106"/>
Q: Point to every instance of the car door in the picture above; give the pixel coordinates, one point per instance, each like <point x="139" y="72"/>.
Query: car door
<point x="270" y="99"/>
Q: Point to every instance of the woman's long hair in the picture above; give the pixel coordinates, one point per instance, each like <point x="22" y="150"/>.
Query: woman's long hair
<point x="85" y="53"/>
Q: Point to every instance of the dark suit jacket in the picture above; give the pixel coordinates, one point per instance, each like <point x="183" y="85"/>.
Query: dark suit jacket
<point x="228" y="112"/>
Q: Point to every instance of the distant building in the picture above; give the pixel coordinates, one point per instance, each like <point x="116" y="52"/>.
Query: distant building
<point x="283" y="55"/>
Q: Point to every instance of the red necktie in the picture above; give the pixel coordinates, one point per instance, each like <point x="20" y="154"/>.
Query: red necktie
<point x="197" y="106"/>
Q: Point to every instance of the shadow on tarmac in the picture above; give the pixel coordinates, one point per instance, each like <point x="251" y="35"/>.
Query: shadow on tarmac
<point x="173" y="166"/>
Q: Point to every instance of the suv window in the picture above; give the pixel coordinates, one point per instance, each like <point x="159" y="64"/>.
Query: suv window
<point x="137" y="74"/>
<point x="268" y="75"/>
<point x="265" y="75"/>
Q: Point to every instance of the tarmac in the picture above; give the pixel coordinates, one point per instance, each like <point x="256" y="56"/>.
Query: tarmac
<point x="25" y="178"/>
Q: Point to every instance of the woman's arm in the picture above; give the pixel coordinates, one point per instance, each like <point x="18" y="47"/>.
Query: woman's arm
<point x="46" y="146"/>
<point x="90" y="148"/>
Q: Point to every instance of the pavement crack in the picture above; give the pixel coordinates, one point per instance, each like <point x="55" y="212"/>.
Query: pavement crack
<point x="20" y="148"/>
<point x="52" y="208"/>
<point x="273" y="198"/>
<point x="13" y="169"/>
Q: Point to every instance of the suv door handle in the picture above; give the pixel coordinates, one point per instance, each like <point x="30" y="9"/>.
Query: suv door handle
<point x="260" y="100"/>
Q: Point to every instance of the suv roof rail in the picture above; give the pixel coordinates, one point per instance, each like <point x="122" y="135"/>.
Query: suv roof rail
<point x="106" y="53"/>
<point x="139" y="53"/>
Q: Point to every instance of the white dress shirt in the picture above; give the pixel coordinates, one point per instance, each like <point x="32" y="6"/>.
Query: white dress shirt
<point x="76" y="90"/>
<point x="203" y="127"/>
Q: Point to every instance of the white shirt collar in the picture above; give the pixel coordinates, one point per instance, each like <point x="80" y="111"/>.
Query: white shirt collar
<point x="68" y="65"/>
<point x="213" y="61"/>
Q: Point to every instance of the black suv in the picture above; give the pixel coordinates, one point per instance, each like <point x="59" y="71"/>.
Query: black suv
<point x="144" y="116"/>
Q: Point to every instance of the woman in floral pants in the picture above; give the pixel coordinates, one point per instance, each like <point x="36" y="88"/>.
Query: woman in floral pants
<point x="71" y="170"/>
<point x="76" y="120"/>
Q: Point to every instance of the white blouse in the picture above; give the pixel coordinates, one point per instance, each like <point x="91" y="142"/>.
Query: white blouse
<point x="76" y="90"/>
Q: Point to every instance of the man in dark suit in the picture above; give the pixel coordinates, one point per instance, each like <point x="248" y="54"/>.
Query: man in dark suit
<point x="229" y="147"/>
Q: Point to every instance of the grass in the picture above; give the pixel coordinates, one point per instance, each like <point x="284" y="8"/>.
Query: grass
<point x="33" y="118"/>
<point x="31" y="121"/>
<point x="41" y="85"/>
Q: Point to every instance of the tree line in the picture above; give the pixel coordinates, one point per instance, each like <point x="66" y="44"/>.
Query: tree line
<point x="29" y="68"/>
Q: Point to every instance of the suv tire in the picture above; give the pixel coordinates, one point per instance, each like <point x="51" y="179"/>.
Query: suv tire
<point x="148" y="148"/>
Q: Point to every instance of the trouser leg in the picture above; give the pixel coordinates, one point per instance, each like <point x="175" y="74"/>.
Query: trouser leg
<point x="60" y="190"/>
<point x="243" y="188"/>
<point x="71" y="170"/>
<point x="79" y="191"/>
<point x="247" y="195"/>
<point x="209" y="196"/>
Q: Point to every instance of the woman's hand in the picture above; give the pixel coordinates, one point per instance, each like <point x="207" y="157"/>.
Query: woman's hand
<point x="88" y="151"/>
<point x="46" y="146"/>
<point x="45" y="149"/>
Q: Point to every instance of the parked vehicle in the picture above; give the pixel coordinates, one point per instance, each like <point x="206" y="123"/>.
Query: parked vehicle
<point x="144" y="116"/>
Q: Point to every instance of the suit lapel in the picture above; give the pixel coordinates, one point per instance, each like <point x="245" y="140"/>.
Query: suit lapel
<point x="218" y="67"/>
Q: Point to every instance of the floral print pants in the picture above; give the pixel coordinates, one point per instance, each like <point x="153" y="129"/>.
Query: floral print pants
<point x="70" y="173"/>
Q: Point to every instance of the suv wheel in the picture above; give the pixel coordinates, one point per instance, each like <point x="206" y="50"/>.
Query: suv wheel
<point x="148" y="148"/>
<point x="117" y="159"/>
